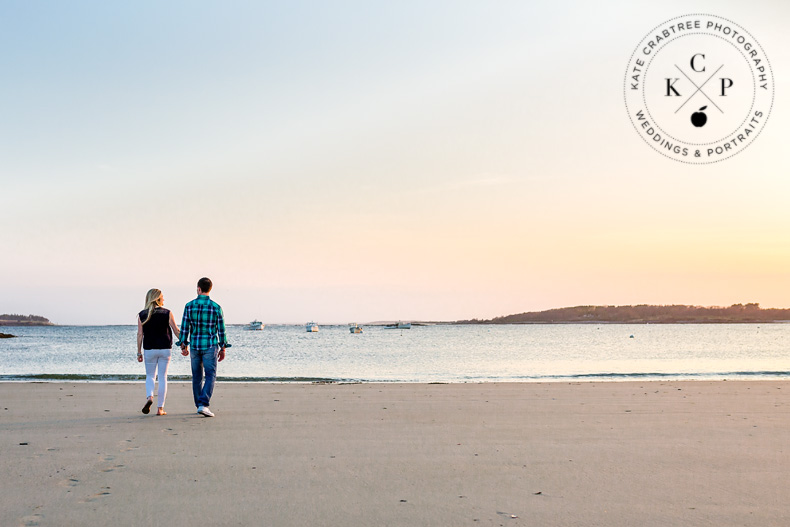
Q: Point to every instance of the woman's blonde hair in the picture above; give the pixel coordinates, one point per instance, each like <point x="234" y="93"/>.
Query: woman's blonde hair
<point x="153" y="299"/>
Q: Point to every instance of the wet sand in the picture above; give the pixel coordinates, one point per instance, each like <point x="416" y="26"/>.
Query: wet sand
<point x="609" y="454"/>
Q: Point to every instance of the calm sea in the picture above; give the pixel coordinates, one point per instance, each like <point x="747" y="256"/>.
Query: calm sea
<point x="422" y="354"/>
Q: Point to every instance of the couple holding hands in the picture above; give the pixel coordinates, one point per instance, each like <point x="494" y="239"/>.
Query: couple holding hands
<point x="204" y="322"/>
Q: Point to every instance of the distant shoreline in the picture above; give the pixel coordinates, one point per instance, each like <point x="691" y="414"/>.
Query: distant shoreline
<point x="459" y="323"/>
<point x="750" y="313"/>
<point x="7" y="319"/>
<point x="623" y="322"/>
<point x="7" y="324"/>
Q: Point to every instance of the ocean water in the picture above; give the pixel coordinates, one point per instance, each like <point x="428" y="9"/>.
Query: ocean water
<point x="441" y="353"/>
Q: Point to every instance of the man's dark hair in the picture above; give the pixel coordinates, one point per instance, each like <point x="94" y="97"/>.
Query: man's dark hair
<point x="205" y="284"/>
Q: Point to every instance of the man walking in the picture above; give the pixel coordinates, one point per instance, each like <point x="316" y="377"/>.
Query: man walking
<point x="203" y="320"/>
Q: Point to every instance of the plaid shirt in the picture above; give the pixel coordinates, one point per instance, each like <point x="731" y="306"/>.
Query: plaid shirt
<point x="203" y="319"/>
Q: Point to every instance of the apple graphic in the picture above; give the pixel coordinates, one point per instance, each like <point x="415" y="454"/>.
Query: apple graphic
<point x="699" y="119"/>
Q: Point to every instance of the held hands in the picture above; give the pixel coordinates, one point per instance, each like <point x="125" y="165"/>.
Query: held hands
<point x="185" y="352"/>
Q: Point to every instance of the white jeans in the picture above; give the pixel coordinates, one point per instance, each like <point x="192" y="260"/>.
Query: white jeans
<point x="156" y="359"/>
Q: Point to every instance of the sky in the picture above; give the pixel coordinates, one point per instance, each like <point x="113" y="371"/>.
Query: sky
<point x="358" y="161"/>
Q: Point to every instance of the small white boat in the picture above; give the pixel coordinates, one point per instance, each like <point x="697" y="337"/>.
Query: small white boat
<point x="354" y="328"/>
<point x="255" y="325"/>
<point x="400" y="325"/>
<point x="311" y="327"/>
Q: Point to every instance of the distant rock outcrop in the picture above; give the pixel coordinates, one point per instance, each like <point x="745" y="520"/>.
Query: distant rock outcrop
<point x="6" y="336"/>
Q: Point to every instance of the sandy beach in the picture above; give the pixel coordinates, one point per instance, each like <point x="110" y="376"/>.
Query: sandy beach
<point x="609" y="454"/>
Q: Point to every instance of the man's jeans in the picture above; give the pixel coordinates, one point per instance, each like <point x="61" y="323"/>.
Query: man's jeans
<point x="203" y="360"/>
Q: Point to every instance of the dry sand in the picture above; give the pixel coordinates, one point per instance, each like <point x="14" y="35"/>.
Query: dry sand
<point x="609" y="454"/>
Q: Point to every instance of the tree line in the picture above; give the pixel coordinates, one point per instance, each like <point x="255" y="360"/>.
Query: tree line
<point x="644" y="313"/>
<point x="23" y="320"/>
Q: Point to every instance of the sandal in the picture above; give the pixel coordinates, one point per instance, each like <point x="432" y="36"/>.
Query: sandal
<point x="147" y="407"/>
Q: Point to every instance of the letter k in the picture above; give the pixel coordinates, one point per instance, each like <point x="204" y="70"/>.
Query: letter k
<point x="671" y="87"/>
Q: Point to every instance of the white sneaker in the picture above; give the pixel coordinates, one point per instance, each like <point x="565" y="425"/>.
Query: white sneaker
<point x="205" y="411"/>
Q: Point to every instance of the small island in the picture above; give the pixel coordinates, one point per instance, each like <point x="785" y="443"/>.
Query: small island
<point x="644" y="314"/>
<point x="24" y="320"/>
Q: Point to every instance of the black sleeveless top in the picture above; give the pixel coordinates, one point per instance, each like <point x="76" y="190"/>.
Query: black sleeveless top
<point x="156" y="332"/>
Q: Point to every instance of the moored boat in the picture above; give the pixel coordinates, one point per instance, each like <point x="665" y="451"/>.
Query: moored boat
<point x="399" y="325"/>
<point x="255" y="325"/>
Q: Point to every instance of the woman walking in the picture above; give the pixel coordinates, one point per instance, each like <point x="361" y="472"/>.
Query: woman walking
<point x="155" y="328"/>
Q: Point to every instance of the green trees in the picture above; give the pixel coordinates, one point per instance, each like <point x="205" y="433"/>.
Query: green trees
<point x="23" y="320"/>
<point x="644" y="313"/>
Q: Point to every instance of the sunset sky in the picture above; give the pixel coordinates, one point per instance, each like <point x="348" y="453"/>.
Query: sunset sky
<point x="357" y="161"/>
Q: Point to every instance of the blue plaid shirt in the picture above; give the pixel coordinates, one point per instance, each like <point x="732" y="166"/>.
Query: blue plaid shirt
<point x="203" y="320"/>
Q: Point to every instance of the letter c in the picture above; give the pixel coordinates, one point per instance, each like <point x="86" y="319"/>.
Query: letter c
<point x="692" y="62"/>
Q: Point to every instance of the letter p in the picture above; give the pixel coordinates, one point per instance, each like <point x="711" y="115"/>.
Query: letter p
<point x="725" y="84"/>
